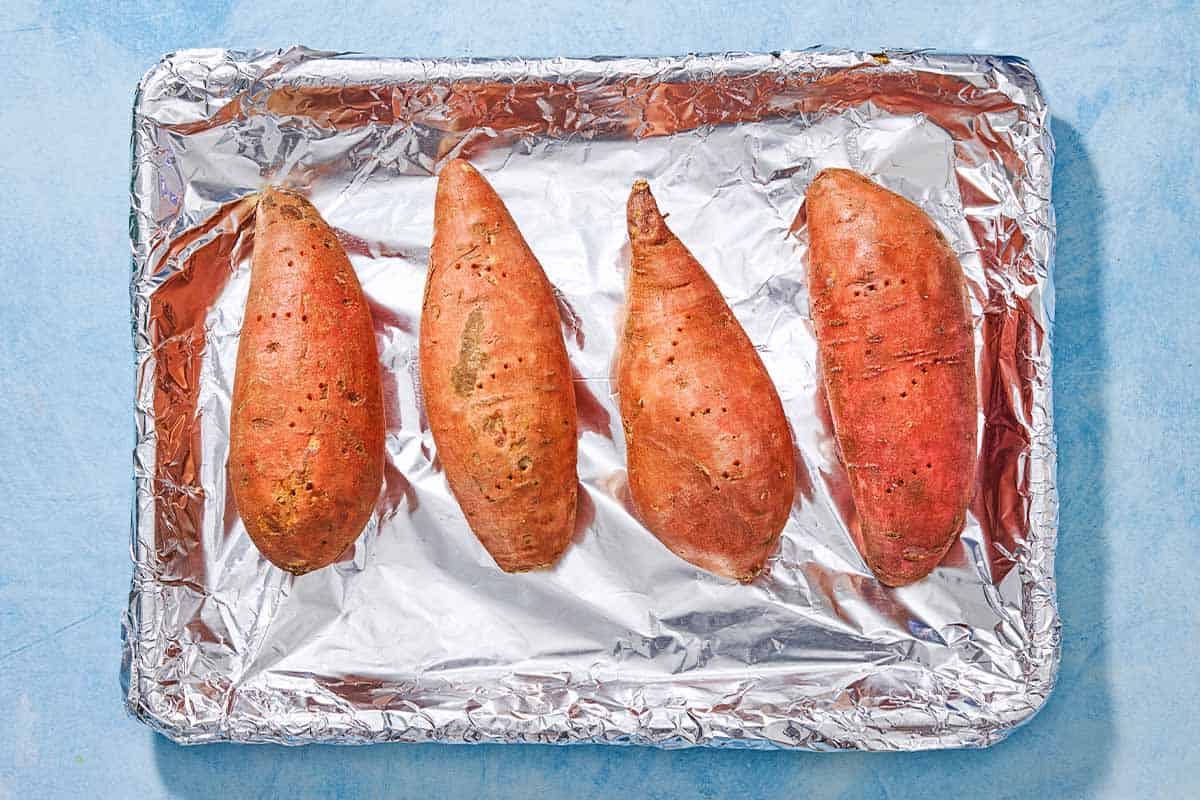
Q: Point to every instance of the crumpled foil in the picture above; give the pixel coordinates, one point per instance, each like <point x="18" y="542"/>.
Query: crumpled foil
<point x="415" y="634"/>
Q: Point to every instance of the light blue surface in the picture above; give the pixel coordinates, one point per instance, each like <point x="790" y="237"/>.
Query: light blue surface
<point x="1124" y="89"/>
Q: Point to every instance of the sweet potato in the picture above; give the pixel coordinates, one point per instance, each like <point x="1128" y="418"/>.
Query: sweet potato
<point x="306" y="435"/>
<point x="894" y="331"/>
<point x="711" y="469"/>
<point x="496" y="379"/>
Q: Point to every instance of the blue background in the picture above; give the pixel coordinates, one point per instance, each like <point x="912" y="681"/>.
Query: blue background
<point x="1124" y="88"/>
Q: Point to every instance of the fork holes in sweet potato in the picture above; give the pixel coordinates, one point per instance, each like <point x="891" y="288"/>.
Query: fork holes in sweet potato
<point x="904" y="394"/>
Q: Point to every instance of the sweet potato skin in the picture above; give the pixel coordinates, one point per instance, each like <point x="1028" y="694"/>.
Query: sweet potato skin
<point x="307" y="426"/>
<point x="711" y="469"/>
<point x="894" y="330"/>
<point x="495" y="376"/>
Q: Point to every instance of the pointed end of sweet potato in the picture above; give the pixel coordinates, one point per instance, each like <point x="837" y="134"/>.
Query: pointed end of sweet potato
<point x="284" y="205"/>
<point x="839" y="176"/>
<point x="646" y="223"/>
<point x="837" y="185"/>
<point x="457" y="169"/>
<point x="459" y="178"/>
<point x="465" y="198"/>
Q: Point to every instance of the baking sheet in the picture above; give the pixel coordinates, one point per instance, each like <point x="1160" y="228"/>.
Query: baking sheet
<point x="415" y="635"/>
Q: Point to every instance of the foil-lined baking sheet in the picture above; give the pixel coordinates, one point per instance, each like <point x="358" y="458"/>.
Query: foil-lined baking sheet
<point x="415" y="634"/>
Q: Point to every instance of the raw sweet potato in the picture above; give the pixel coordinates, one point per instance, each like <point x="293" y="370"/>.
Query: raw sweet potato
<point x="306" y="435"/>
<point x="711" y="469"/>
<point x="495" y="376"/>
<point x="894" y="330"/>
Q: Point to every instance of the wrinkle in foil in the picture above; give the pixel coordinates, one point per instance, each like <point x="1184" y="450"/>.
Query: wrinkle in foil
<point x="414" y="634"/>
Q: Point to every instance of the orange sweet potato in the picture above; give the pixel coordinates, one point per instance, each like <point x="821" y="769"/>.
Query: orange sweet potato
<point x="496" y="379"/>
<point x="894" y="330"/>
<point x="711" y="469"/>
<point x="306" y="434"/>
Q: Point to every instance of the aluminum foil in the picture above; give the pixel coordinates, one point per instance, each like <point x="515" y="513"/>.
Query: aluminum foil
<point x="415" y="634"/>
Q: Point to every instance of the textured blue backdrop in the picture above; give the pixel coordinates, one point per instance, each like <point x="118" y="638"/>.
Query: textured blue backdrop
<point x="1124" y="89"/>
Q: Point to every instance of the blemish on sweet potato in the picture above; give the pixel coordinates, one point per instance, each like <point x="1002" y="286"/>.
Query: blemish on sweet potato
<point x="471" y="359"/>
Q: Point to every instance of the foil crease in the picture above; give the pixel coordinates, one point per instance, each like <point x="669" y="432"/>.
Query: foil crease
<point x="415" y="635"/>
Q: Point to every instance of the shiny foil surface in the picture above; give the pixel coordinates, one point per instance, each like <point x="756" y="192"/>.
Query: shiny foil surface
<point x="415" y="634"/>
